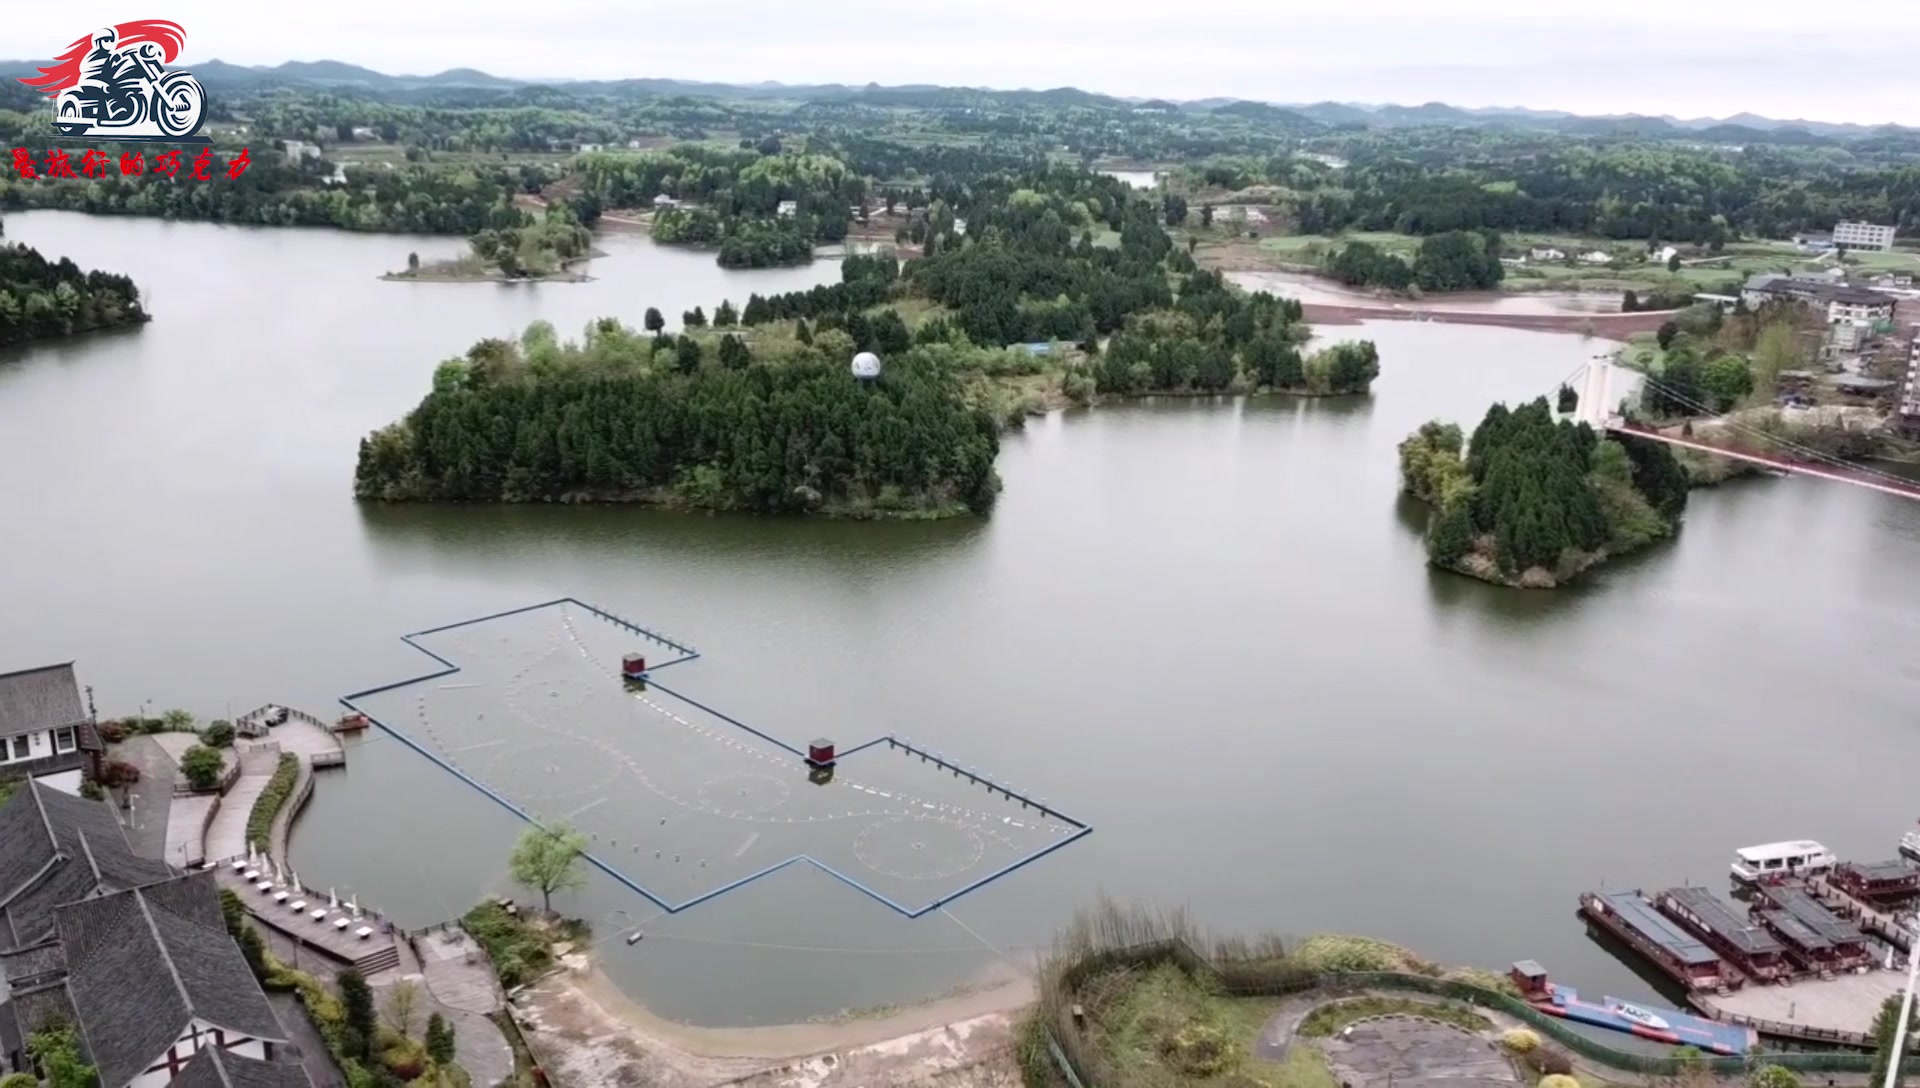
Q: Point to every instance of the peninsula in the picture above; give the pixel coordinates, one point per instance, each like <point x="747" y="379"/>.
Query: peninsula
<point x="41" y="299"/>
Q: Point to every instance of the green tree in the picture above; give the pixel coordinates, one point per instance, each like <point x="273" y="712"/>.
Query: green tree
<point x="686" y="354"/>
<point x="356" y="999"/>
<point x="1673" y="263"/>
<point x="1665" y="336"/>
<point x="57" y="1052"/>
<point x="547" y="860"/>
<point x="440" y="1044"/>
<point x="1206" y="215"/>
<point x="653" y="321"/>
<point x="19" y="1080"/>
<point x="413" y="264"/>
<point x="1726" y="379"/>
<point x="694" y="319"/>
<point x="734" y="354"/>
<point x="1885" y="1026"/>
<point x="724" y="316"/>
<point x="802" y="333"/>
<point x="1175" y="207"/>
<point x="1451" y="536"/>
<point x="1768" y="1075"/>
<point x="217" y="734"/>
<point x="1568" y="400"/>
<point x="177" y="721"/>
<point x="202" y="766"/>
<point x="402" y="1002"/>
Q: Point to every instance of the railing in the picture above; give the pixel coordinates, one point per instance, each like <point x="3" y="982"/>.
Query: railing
<point x="328" y="759"/>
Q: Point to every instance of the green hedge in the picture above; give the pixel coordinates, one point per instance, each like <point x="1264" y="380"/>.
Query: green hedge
<point x="1274" y="979"/>
<point x="272" y="800"/>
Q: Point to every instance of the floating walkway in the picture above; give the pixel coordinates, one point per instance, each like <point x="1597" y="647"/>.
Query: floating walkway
<point x="1630" y="917"/>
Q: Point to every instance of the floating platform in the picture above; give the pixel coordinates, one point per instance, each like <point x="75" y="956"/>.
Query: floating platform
<point x="1749" y="947"/>
<point x="1848" y="947"/>
<point x="1878" y="883"/>
<point x="1634" y="920"/>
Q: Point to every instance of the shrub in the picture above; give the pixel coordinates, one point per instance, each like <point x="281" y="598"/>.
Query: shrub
<point x="1327" y="952"/>
<point x="202" y="766"/>
<point x="1549" y="1061"/>
<point x="113" y="732"/>
<point x="1763" y="1076"/>
<point x="176" y="721"/>
<point x="119" y="773"/>
<point x="19" y="1080"/>
<point x="1558" y="1080"/>
<point x="518" y="949"/>
<point x="1520" y="1040"/>
<point x="92" y="790"/>
<point x="218" y="735"/>
<point x="272" y="799"/>
<point x="1197" y="1050"/>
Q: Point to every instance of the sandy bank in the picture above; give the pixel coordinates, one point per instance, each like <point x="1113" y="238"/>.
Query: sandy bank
<point x="588" y="1032"/>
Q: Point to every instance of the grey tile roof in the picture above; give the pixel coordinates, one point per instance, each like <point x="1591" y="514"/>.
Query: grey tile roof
<point x="224" y="1069"/>
<point x="143" y="967"/>
<point x="57" y="848"/>
<point x="42" y="698"/>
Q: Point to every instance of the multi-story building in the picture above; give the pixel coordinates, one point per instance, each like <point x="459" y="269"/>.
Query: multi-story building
<point x="1836" y="301"/>
<point x="1862" y="235"/>
<point x="1910" y="396"/>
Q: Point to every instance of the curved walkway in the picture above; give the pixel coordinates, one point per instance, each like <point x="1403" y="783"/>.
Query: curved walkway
<point x="227" y="834"/>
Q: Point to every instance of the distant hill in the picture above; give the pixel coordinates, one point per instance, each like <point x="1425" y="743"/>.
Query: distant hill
<point x="218" y="74"/>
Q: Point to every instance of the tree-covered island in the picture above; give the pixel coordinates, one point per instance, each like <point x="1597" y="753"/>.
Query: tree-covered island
<point x="1532" y="502"/>
<point x="754" y="407"/>
<point x="40" y="299"/>
<point x="543" y="249"/>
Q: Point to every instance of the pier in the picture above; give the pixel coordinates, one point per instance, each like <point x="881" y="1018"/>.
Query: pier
<point x="1748" y="947"/>
<point x="1630" y="917"/>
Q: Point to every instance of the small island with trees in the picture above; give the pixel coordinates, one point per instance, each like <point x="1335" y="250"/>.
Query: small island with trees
<point x="42" y="299"/>
<point x="543" y="250"/>
<point x="1532" y="502"/>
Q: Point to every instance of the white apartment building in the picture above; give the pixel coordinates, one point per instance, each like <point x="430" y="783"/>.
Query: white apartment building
<point x="1862" y="235"/>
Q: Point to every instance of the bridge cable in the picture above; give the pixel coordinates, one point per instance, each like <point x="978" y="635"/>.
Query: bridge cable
<point x="1816" y="456"/>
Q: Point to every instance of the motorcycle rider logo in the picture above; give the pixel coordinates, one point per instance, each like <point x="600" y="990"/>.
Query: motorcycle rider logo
<point x="113" y="85"/>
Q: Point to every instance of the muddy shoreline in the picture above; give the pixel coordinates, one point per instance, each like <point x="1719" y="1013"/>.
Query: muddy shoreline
<point x="1612" y="326"/>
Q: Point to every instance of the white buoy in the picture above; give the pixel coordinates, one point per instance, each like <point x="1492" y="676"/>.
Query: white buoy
<point x="866" y="366"/>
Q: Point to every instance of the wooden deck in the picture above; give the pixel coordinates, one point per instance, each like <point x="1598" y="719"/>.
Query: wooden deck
<point x="374" y="952"/>
<point x="1838" y="1010"/>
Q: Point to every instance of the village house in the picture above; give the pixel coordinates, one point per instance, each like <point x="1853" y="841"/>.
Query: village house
<point x="1663" y="254"/>
<point x="44" y="726"/>
<point x="787" y="207"/>
<point x="362" y="132"/>
<point x="1595" y="256"/>
<point x="297" y="150"/>
<point x="134" y="956"/>
<point x="1546" y="253"/>
<point x="662" y="200"/>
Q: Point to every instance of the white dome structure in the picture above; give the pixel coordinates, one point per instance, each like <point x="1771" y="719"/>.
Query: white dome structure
<point x="866" y="366"/>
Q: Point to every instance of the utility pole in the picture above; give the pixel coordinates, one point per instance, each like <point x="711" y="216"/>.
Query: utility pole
<point x="1899" y="1052"/>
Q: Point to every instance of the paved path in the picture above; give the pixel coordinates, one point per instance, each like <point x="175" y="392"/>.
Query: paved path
<point x="479" y="1046"/>
<point x="227" y="835"/>
<point x="314" y="1056"/>
<point x="148" y="829"/>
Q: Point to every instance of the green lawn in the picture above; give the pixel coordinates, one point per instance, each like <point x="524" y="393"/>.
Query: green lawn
<point x="1166" y="1028"/>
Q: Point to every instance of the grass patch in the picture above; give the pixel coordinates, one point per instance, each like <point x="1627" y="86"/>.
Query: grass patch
<point x="1328" y="1019"/>
<point x="1164" y="1027"/>
<point x="272" y="800"/>
<point x="520" y="948"/>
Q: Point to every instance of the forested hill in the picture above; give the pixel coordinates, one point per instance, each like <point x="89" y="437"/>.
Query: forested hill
<point x="598" y="421"/>
<point x="41" y="298"/>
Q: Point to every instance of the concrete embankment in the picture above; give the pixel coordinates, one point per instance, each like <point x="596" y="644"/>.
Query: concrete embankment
<point x="1613" y="326"/>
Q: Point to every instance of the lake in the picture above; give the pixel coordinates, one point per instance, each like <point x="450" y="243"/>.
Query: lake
<point x="1203" y="626"/>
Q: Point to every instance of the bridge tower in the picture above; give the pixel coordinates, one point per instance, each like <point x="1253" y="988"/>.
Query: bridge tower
<point x="1596" y="394"/>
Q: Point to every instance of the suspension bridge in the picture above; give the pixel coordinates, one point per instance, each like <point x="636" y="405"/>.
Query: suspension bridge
<point x="1598" y="407"/>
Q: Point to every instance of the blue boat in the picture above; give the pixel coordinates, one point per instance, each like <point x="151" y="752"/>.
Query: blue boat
<point x="1660" y="1025"/>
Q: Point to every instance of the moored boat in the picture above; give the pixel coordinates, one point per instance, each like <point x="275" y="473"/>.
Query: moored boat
<point x="1782" y="860"/>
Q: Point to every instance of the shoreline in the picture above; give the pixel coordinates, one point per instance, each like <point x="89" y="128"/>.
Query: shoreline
<point x="585" y="1029"/>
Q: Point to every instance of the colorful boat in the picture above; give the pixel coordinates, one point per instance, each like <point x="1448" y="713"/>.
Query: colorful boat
<point x="1661" y="1025"/>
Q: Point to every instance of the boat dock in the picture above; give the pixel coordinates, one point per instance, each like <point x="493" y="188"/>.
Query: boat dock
<point x="1845" y="946"/>
<point x="1630" y="917"/>
<point x="1748" y="947"/>
<point x="1878" y="884"/>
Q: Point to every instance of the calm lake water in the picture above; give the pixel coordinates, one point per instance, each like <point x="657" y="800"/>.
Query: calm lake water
<point x="1205" y="627"/>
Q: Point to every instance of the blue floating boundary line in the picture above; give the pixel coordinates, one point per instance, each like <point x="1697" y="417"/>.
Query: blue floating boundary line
<point x="687" y="653"/>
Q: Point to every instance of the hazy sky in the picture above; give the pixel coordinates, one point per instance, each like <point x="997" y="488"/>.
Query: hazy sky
<point x="1779" y="58"/>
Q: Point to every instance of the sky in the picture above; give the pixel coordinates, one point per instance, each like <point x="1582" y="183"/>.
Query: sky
<point x="1777" y="58"/>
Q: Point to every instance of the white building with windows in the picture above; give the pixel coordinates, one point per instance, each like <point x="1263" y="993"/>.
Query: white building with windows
<point x="44" y="727"/>
<point x="1862" y="235"/>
